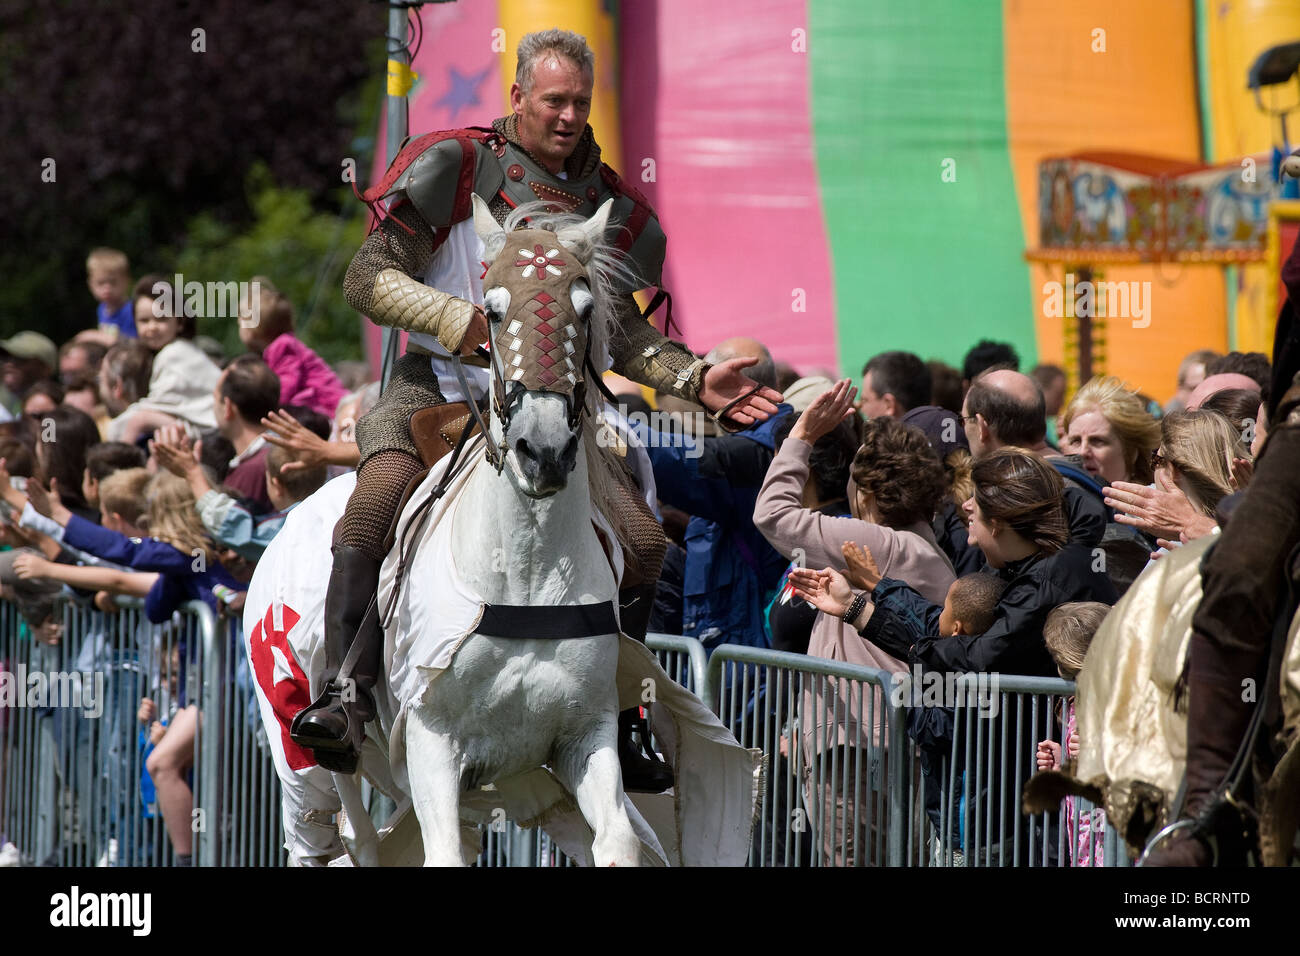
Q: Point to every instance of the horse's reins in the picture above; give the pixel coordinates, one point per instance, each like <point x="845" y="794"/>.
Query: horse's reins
<point x="503" y="402"/>
<point x="454" y="466"/>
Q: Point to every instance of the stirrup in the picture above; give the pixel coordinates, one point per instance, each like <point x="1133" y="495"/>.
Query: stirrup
<point x="334" y="748"/>
<point x="644" y="771"/>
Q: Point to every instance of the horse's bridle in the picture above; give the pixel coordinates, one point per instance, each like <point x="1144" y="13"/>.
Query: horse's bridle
<point x="507" y="393"/>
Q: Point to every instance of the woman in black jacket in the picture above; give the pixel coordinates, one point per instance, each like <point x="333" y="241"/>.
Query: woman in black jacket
<point x="1017" y="519"/>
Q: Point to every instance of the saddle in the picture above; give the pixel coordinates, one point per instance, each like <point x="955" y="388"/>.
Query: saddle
<point x="434" y="431"/>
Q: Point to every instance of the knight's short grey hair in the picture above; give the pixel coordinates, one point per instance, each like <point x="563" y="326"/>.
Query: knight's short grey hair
<point x="565" y="43"/>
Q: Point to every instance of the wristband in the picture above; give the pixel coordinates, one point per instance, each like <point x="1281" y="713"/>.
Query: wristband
<point x="855" y="608"/>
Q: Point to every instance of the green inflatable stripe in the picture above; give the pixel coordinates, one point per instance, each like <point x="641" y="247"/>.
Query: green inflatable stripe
<point x="920" y="264"/>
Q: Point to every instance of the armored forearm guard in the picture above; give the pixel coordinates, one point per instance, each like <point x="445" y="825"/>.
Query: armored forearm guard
<point x="380" y="283"/>
<point x="640" y="352"/>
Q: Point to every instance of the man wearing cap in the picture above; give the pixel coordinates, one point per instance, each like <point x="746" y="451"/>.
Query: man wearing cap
<point x="28" y="358"/>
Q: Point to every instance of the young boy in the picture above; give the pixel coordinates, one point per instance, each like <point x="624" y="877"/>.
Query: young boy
<point x="108" y="274"/>
<point x="970" y="604"/>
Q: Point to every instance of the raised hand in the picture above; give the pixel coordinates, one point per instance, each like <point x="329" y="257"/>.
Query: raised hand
<point x="827" y="589"/>
<point x="48" y="503"/>
<point x="1162" y="511"/>
<point x="826" y="411"/>
<point x="308" y="448"/>
<point x="862" y="571"/>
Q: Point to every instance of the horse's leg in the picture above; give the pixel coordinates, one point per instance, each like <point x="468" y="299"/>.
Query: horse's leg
<point x="433" y="768"/>
<point x="590" y="768"/>
<point x="364" y="842"/>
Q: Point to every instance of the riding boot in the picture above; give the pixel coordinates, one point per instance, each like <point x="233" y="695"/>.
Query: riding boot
<point x="333" y="725"/>
<point x="643" y="771"/>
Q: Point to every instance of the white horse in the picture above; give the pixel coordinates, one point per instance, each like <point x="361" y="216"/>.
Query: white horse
<point x="476" y="701"/>
<point x="520" y="533"/>
<point x="524" y="537"/>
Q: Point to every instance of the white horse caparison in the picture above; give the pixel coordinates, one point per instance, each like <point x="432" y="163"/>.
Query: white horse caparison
<point x="523" y="535"/>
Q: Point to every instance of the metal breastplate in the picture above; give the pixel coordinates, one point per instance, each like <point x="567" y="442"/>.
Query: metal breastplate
<point x="525" y="181"/>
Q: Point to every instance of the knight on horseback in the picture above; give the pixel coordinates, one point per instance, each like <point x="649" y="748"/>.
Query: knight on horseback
<point x="422" y="270"/>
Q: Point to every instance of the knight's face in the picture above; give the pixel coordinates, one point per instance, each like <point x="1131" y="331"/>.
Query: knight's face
<point x="553" y="114"/>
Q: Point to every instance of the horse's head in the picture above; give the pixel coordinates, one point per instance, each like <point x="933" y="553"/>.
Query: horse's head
<point x="545" y="294"/>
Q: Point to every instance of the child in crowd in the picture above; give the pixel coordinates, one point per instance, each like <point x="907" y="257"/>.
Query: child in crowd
<point x="970" y="605"/>
<point x="183" y="379"/>
<point x="108" y="274"/>
<point x="305" y="379"/>
<point x="106" y="459"/>
<point x="230" y="524"/>
<point x="178" y="562"/>
<point x="1068" y="632"/>
<point x="968" y="608"/>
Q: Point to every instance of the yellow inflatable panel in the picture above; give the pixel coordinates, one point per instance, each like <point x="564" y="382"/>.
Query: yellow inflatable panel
<point x="588" y="18"/>
<point x="1237" y="31"/>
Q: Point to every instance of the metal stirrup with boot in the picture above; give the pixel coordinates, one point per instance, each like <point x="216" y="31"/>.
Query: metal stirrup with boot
<point x="333" y="726"/>
<point x="643" y="770"/>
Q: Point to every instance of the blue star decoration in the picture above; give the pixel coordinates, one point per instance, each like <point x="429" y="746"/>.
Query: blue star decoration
<point x="463" y="90"/>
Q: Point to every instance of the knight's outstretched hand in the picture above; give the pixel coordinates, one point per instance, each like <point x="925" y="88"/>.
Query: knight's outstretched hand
<point x="726" y="383"/>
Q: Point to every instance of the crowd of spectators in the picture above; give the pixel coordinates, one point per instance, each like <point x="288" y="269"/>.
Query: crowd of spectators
<point x="933" y="517"/>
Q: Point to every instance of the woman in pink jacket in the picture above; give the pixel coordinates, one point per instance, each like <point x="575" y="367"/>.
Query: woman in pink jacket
<point x="896" y="483"/>
<point x="305" y="379"/>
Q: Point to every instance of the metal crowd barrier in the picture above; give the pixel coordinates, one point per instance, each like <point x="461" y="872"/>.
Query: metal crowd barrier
<point x="848" y="785"/>
<point x="829" y="737"/>
<point x="73" y="752"/>
<point x="846" y="782"/>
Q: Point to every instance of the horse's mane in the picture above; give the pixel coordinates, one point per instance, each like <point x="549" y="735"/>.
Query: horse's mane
<point x="608" y="272"/>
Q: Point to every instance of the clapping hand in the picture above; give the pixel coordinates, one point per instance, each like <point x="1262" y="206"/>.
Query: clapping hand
<point x="862" y="571"/>
<point x="827" y="590"/>
<point x="172" y="449"/>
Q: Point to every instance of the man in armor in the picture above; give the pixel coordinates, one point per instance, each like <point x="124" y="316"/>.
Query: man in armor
<point x="421" y="270"/>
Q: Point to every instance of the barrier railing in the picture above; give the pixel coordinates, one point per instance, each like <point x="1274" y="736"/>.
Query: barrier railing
<point x="828" y="733"/>
<point x="846" y="783"/>
<point x="74" y="755"/>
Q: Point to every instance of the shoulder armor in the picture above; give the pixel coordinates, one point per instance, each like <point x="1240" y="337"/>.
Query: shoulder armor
<point x="641" y="238"/>
<point x="439" y="171"/>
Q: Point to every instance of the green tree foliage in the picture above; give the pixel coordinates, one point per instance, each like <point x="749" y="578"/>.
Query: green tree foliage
<point x="154" y="130"/>
<point x="304" y="252"/>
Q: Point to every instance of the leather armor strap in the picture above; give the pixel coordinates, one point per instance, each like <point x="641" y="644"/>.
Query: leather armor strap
<point x="548" y="623"/>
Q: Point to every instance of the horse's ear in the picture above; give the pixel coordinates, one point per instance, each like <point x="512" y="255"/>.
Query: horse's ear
<point x="591" y="233"/>
<point x="484" y="224"/>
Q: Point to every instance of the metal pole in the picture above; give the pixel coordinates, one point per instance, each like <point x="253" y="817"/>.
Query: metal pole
<point x="399" y="59"/>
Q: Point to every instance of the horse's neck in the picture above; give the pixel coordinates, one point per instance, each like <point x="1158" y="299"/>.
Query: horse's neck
<point x="518" y="550"/>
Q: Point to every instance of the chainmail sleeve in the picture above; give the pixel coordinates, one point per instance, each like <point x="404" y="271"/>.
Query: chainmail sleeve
<point x="380" y="282"/>
<point x="643" y="354"/>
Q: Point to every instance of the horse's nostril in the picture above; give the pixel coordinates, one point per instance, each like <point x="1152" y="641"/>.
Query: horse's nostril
<point x="523" y="449"/>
